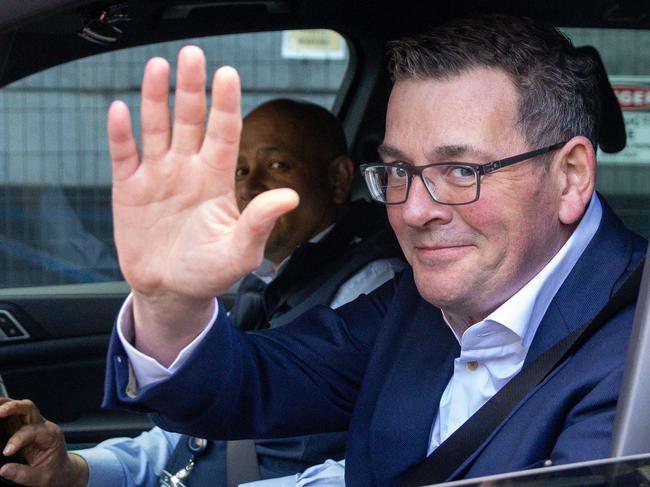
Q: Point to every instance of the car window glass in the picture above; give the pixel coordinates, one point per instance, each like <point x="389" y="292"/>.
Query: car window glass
<point x="624" y="177"/>
<point x="54" y="163"/>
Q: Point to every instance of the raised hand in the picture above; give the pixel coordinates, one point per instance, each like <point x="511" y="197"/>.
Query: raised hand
<point x="42" y="445"/>
<point x="180" y="237"/>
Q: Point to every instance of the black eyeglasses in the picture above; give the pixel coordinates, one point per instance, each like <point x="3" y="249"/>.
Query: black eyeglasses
<point x="448" y="183"/>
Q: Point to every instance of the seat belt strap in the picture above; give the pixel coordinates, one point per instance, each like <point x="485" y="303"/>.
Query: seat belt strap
<point x="241" y="462"/>
<point x="453" y="452"/>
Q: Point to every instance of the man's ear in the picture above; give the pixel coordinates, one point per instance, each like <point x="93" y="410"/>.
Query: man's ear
<point x="577" y="178"/>
<point x="340" y="174"/>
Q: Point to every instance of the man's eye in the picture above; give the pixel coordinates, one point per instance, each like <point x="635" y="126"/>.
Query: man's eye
<point x="398" y="171"/>
<point x="401" y="172"/>
<point x="278" y="165"/>
<point x="461" y="172"/>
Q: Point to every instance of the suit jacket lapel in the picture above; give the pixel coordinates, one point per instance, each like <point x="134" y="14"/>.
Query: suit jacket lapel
<point x="409" y="398"/>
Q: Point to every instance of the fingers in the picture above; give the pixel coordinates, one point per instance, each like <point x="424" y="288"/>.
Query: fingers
<point x="221" y="144"/>
<point x="24" y="407"/>
<point x="70" y="470"/>
<point x="189" y="103"/>
<point x="257" y="221"/>
<point x="31" y="426"/>
<point x="121" y="144"/>
<point x="24" y="475"/>
<point x="42" y="436"/>
<point x="11" y="415"/>
<point x="154" y="110"/>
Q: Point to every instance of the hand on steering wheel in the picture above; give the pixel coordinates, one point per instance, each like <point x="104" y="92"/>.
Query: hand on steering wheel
<point x="42" y="446"/>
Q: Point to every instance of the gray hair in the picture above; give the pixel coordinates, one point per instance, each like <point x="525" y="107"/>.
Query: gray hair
<point x="557" y="84"/>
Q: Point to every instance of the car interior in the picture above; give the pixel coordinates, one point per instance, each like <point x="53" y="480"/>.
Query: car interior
<point x="63" y="61"/>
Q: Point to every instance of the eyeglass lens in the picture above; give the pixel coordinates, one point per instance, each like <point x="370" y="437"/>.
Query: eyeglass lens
<point x="447" y="183"/>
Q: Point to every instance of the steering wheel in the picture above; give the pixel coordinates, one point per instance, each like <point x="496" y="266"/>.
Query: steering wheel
<point x="3" y="389"/>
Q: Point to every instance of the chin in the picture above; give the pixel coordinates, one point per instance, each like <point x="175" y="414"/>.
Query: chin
<point x="436" y="292"/>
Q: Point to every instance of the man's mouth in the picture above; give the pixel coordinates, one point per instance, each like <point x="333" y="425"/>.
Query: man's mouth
<point x="440" y="251"/>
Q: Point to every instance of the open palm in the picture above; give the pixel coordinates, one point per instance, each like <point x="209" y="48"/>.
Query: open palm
<point x="180" y="237"/>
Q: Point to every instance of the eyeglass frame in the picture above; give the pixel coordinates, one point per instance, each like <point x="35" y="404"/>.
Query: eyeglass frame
<point x="479" y="170"/>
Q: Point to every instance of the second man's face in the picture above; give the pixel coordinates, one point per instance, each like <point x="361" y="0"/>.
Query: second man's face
<point x="273" y="154"/>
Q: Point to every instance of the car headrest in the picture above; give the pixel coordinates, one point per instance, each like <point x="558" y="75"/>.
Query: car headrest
<point x="611" y="137"/>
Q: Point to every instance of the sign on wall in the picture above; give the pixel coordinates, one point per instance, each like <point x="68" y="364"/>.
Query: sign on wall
<point x="633" y="93"/>
<point x="313" y="44"/>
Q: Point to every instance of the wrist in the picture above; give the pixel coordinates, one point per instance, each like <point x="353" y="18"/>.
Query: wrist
<point x="166" y="312"/>
<point x="163" y="326"/>
<point x="80" y="472"/>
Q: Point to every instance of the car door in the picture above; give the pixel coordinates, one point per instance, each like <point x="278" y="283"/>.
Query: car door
<point x="61" y="286"/>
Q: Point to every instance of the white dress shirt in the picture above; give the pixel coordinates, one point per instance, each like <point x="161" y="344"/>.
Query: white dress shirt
<point x="493" y="351"/>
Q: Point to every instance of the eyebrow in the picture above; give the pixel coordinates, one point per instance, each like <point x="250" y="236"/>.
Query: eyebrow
<point x="272" y="148"/>
<point x="388" y="151"/>
<point x="263" y="151"/>
<point x="441" y="152"/>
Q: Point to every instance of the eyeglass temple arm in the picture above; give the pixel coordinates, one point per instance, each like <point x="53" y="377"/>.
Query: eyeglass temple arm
<point x="508" y="161"/>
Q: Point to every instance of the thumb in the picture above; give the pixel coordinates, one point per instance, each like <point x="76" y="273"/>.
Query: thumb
<point x="257" y="220"/>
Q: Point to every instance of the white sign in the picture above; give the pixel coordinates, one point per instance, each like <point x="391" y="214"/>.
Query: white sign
<point x="633" y="93"/>
<point x="313" y="44"/>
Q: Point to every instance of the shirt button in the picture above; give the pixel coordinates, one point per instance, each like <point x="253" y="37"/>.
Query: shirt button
<point x="472" y="365"/>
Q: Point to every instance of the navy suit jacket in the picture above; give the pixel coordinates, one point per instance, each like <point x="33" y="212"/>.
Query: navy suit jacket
<point x="379" y="366"/>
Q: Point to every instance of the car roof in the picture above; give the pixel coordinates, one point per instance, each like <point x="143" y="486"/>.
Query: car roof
<point x="45" y="32"/>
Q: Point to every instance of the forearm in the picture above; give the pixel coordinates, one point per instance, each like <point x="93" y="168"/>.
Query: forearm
<point x="129" y="462"/>
<point x="233" y="366"/>
<point x="235" y="382"/>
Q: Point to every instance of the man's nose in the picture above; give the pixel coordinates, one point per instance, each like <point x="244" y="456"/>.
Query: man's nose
<point x="420" y="208"/>
<point x="251" y="185"/>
